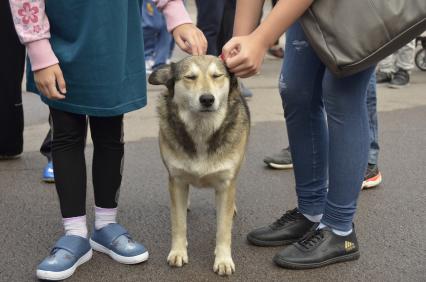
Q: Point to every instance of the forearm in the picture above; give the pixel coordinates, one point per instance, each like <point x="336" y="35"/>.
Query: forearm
<point x="247" y="16"/>
<point x="32" y="27"/>
<point x="282" y="16"/>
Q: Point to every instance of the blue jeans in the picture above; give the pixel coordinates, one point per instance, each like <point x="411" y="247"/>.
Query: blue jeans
<point x="373" y="153"/>
<point x="327" y="125"/>
<point x="158" y="42"/>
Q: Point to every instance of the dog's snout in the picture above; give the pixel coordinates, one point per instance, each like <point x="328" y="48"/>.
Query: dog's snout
<point x="206" y="100"/>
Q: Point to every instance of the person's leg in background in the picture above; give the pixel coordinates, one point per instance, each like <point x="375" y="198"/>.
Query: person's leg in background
<point x="385" y="69"/>
<point x="404" y="63"/>
<point x="12" y="60"/>
<point x="48" y="175"/>
<point x="150" y="33"/>
<point x="164" y="41"/>
<point x="372" y="177"/>
<point x="209" y="21"/>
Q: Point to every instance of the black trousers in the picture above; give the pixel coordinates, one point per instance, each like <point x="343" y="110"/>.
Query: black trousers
<point x="69" y="140"/>
<point x="215" y="18"/>
<point x="12" y="62"/>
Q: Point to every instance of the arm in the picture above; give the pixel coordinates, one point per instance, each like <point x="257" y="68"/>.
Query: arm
<point x="247" y="16"/>
<point x="187" y="36"/>
<point x="251" y="47"/>
<point x="32" y="27"/>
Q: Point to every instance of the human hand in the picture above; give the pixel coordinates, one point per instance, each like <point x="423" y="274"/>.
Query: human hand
<point x="244" y="55"/>
<point x="46" y="80"/>
<point x="190" y="39"/>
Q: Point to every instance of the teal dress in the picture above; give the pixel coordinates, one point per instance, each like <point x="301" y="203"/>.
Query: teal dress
<point x="99" y="45"/>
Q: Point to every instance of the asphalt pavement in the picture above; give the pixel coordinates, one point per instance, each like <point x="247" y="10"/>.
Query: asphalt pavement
<point x="390" y="222"/>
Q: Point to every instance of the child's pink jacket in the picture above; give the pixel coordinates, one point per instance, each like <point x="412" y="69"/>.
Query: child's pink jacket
<point x="32" y="26"/>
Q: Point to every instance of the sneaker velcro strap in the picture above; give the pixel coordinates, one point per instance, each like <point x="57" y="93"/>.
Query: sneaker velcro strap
<point x="111" y="232"/>
<point x="76" y="245"/>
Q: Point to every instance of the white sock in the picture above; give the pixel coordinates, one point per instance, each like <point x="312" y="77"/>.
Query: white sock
<point x="75" y="226"/>
<point x="313" y="218"/>
<point x="335" y="231"/>
<point x="103" y="217"/>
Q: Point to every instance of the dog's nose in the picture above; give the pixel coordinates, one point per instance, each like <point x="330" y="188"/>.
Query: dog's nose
<point x="206" y="100"/>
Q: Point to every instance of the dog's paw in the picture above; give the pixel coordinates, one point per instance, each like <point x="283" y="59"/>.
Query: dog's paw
<point x="177" y="258"/>
<point x="224" y="266"/>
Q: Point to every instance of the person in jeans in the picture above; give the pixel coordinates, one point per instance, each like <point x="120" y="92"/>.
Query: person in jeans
<point x="372" y="176"/>
<point x="158" y="42"/>
<point x="395" y="69"/>
<point x="327" y="124"/>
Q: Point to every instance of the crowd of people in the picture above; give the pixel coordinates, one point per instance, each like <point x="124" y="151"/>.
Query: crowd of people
<point x="329" y="120"/>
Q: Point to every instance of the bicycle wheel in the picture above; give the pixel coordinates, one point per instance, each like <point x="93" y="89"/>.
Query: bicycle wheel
<point x="420" y="59"/>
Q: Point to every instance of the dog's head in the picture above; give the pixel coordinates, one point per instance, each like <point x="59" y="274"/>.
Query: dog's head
<point x="199" y="84"/>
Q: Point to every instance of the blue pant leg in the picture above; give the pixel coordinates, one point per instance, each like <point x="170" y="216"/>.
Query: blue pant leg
<point x="150" y="28"/>
<point x="163" y="44"/>
<point x="346" y="107"/>
<point x="300" y="88"/>
<point x="373" y="153"/>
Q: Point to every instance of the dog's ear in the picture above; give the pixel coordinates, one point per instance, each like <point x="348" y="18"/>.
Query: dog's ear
<point x="163" y="75"/>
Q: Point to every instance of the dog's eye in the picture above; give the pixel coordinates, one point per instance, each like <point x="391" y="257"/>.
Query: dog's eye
<point x="190" y="77"/>
<point x="217" y="75"/>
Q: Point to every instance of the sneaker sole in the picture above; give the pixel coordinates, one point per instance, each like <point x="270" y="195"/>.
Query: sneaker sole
<point x="279" y="166"/>
<point x="372" y="182"/>
<point x="61" y="275"/>
<point x="285" y="264"/>
<point x="261" y="243"/>
<point x="48" y="180"/>
<point x="119" y="258"/>
<point x="393" y="86"/>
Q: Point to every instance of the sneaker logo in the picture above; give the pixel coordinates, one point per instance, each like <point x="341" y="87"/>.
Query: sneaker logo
<point x="349" y="246"/>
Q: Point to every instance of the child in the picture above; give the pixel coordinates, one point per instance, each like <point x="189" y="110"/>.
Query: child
<point x="92" y="68"/>
<point x="329" y="153"/>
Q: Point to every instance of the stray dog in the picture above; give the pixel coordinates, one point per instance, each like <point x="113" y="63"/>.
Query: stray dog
<point x="204" y="127"/>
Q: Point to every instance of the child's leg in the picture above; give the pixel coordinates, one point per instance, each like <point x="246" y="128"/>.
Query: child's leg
<point x="108" y="236"/>
<point x="107" y="135"/>
<point x="69" y="134"/>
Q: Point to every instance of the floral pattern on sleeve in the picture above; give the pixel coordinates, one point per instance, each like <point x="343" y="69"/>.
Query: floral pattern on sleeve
<point x="30" y="20"/>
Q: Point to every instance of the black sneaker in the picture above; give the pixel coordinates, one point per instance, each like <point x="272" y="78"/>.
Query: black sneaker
<point x="319" y="248"/>
<point x="286" y="230"/>
<point x="282" y="160"/>
<point x="400" y="79"/>
<point x="383" y="77"/>
<point x="372" y="177"/>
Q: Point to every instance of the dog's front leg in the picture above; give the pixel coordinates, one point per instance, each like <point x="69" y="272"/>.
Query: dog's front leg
<point x="225" y="204"/>
<point x="178" y="255"/>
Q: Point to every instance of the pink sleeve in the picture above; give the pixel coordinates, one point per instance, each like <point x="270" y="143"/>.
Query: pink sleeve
<point x="32" y="27"/>
<point x="175" y="13"/>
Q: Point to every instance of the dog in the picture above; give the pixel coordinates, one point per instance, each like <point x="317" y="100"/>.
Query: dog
<point x="204" y="129"/>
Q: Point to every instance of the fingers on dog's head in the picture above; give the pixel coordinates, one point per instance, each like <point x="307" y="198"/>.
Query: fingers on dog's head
<point x="163" y="75"/>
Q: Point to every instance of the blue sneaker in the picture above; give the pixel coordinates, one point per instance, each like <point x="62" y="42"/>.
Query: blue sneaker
<point x="68" y="253"/>
<point x="116" y="242"/>
<point x="48" y="175"/>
